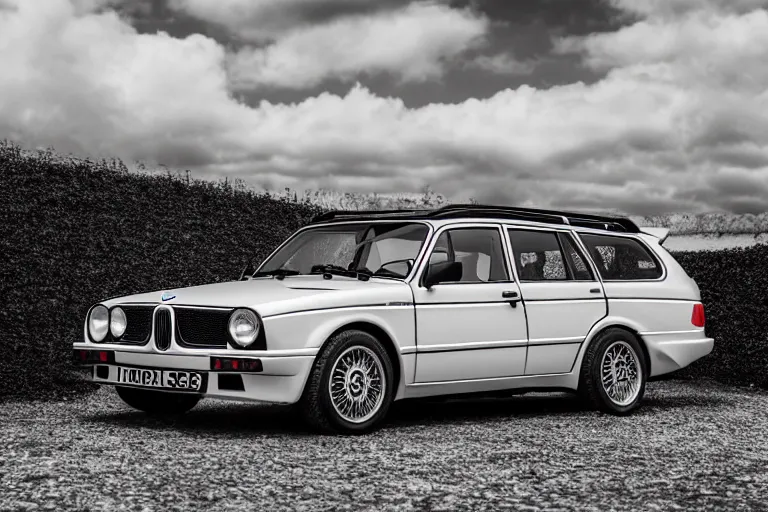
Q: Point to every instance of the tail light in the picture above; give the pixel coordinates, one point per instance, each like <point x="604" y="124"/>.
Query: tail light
<point x="698" y="318"/>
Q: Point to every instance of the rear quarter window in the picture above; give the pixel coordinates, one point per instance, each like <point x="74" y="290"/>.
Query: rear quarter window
<point x="621" y="258"/>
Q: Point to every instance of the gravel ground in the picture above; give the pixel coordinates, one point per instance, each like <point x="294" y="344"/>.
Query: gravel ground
<point x="693" y="445"/>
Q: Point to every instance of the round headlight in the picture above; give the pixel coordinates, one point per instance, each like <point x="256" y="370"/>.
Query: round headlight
<point x="98" y="323"/>
<point x="244" y="327"/>
<point x="117" y="322"/>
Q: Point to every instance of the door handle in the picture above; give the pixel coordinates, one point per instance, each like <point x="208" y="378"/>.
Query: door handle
<point x="513" y="297"/>
<point x="594" y="290"/>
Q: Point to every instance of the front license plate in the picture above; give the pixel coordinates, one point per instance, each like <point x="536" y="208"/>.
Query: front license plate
<point x="170" y="379"/>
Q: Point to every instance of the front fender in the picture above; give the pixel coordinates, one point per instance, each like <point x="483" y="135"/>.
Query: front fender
<point x="312" y="329"/>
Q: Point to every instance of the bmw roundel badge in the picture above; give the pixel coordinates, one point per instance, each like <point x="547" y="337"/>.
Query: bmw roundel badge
<point x="167" y="296"/>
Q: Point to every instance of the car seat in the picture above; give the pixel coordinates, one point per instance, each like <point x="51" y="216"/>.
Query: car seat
<point x="534" y="271"/>
<point x="469" y="268"/>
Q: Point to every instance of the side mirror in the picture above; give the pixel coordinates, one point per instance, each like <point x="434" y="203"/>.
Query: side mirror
<point x="444" y="272"/>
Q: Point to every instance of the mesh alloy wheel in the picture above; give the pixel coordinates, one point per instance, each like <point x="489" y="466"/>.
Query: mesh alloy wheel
<point x="357" y="384"/>
<point x="351" y="385"/>
<point x="620" y="373"/>
<point x="613" y="373"/>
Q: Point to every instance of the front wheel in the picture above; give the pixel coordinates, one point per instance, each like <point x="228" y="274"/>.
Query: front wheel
<point x="613" y="373"/>
<point x="157" y="402"/>
<point x="351" y="385"/>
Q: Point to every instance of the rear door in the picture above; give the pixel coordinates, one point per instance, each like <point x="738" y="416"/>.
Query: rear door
<point x="562" y="294"/>
<point x="468" y="329"/>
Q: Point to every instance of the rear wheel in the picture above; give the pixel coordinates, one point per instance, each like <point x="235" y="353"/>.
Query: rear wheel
<point x="613" y="373"/>
<point x="157" y="402"/>
<point x="351" y="385"/>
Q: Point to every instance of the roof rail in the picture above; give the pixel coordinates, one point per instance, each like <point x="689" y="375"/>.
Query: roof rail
<point x="604" y="222"/>
<point x="586" y="220"/>
<point x="479" y="211"/>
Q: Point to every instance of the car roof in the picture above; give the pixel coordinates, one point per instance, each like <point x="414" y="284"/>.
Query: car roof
<point x="474" y="212"/>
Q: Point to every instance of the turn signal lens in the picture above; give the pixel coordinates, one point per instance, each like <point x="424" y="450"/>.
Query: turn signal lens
<point x="228" y="364"/>
<point x="89" y="357"/>
<point x="698" y="318"/>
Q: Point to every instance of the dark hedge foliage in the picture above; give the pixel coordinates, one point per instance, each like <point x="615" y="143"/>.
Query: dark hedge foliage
<point x="73" y="232"/>
<point x="734" y="290"/>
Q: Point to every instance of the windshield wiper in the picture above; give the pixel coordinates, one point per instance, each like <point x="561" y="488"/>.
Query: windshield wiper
<point x="338" y="270"/>
<point x="279" y="273"/>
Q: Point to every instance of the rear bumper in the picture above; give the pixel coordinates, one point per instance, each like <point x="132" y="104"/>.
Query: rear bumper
<point x="672" y="351"/>
<point x="281" y="379"/>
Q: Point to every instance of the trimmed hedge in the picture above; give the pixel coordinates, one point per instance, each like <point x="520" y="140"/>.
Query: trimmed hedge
<point x="734" y="290"/>
<point x="73" y="232"/>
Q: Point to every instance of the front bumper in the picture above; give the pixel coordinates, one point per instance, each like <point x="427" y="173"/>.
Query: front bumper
<point x="280" y="380"/>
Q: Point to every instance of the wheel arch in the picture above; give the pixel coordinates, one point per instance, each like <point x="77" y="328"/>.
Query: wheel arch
<point x="614" y="323"/>
<point x="384" y="337"/>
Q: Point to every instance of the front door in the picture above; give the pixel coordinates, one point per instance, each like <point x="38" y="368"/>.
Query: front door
<point x="563" y="297"/>
<point x="472" y="326"/>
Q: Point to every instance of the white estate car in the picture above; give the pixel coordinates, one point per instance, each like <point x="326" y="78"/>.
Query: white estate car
<point x="358" y="309"/>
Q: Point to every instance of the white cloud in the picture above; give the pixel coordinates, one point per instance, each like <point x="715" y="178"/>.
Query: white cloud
<point x="701" y="47"/>
<point x="647" y="137"/>
<point x="130" y="94"/>
<point x="503" y="64"/>
<point x="412" y="43"/>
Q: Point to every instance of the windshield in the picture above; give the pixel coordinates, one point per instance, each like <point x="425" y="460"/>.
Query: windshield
<point x="385" y="249"/>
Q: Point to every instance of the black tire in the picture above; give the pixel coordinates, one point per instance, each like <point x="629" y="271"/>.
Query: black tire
<point x="316" y="404"/>
<point x="157" y="402"/>
<point x="591" y="387"/>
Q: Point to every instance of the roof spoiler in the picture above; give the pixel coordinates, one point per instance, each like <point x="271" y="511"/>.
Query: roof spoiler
<point x="660" y="233"/>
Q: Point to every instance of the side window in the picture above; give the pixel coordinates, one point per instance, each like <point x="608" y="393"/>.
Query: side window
<point x="578" y="266"/>
<point x="479" y="251"/>
<point x="538" y="256"/>
<point x="621" y="258"/>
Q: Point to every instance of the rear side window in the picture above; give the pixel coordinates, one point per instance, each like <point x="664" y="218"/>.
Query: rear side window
<point x="623" y="259"/>
<point x="538" y="256"/>
<point x="578" y="266"/>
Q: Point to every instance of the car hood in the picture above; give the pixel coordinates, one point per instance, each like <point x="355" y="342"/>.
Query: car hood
<point x="270" y="296"/>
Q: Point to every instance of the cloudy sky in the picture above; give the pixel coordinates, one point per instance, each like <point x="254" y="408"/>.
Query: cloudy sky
<point x="648" y="106"/>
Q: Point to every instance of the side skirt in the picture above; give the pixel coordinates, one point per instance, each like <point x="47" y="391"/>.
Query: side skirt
<point x="555" y="382"/>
